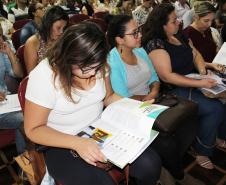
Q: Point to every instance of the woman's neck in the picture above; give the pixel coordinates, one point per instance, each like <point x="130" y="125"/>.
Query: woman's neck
<point x="173" y="40"/>
<point x="127" y="55"/>
<point x="125" y="51"/>
<point x="37" y="21"/>
<point x="196" y="26"/>
<point x="83" y="83"/>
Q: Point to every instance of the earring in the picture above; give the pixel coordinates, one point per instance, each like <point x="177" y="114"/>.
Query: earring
<point x="121" y="49"/>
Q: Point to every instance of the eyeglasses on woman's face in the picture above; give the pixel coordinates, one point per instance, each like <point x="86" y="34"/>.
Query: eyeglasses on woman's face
<point x="135" y="33"/>
<point x="86" y="70"/>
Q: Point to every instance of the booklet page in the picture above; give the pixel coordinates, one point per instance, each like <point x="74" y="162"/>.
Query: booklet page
<point x="220" y="58"/>
<point x="219" y="88"/>
<point x="132" y="115"/>
<point x="11" y="104"/>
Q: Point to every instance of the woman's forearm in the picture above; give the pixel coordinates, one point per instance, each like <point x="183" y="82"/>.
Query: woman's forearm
<point x="16" y="66"/>
<point x="112" y="98"/>
<point x="182" y="81"/>
<point x="47" y="136"/>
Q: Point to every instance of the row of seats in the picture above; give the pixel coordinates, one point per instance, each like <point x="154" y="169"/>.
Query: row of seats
<point x="75" y="19"/>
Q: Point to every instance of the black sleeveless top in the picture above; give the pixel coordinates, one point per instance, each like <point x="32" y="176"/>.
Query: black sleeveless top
<point x="181" y="56"/>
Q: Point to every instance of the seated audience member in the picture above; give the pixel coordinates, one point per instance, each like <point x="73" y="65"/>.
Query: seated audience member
<point x="48" y="3"/>
<point x="86" y="8"/>
<point x="187" y="18"/>
<point x="73" y="75"/>
<point x="60" y="3"/>
<point x="173" y="58"/>
<point x="3" y="13"/>
<point x="101" y="6"/>
<point x="133" y="75"/>
<point x="35" y="12"/>
<point x="126" y="6"/>
<point x="20" y="9"/>
<point x="7" y="26"/>
<point x="221" y="14"/>
<point x="200" y="32"/>
<point x="140" y="14"/>
<point x="52" y="26"/>
<point x="72" y="9"/>
<point x="10" y="66"/>
<point x="181" y="7"/>
<point x="8" y="5"/>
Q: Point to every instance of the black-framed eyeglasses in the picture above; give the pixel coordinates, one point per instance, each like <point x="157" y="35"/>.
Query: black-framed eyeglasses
<point x="86" y="70"/>
<point x="135" y="34"/>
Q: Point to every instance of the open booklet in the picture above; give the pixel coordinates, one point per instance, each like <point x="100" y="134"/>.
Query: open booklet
<point x="220" y="58"/>
<point x="124" y="130"/>
<point x="219" y="88"/>
<point x="10" y="104"/>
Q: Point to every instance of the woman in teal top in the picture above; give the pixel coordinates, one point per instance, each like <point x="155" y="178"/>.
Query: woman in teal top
<point x="132" y="73"/>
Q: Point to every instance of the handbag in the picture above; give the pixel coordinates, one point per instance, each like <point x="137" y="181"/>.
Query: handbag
<point x="33" y="165"/>
<point x="179" y="111"/>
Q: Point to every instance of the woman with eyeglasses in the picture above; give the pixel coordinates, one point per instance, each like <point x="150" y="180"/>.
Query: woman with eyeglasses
<point x="52" y="27"/>
<point x="133" y="75"/>
<point x="35" y="12"/>
<point x="174" y="57"/>
<point x="67" y="92"/>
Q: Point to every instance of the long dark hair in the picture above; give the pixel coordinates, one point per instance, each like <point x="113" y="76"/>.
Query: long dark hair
<point x="82" y="44"/>
<point x="116" y="27"/>
<point x="153" y="28"/>
<point x="55" y="13"/>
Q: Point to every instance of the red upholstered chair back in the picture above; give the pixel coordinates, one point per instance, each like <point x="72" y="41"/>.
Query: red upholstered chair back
<point x="77" y="18"/>
<point x="100" y="22"/>
<point x="16" y="39"/>
<point x="22" y="91"/>
<point x="7" y="137"/>
<point x="20" y="23"/>
<point x="100" y="15"/>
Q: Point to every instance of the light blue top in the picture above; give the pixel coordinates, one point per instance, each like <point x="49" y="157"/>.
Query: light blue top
<point x="118" y="74"/>
<point x="5" y="68"/>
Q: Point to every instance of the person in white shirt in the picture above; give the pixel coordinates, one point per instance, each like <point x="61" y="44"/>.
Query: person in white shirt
<point x="22" y="9"/>
<point x="140" y="14"/>
<point x="181" y="7"/>
<point x="67" y="92"/>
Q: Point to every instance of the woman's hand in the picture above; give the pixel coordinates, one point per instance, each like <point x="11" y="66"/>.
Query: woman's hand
<point x="218" y="67"/>
<point x="5" y="48"/>
<point x="207" y="83"/>
<point x="150" y="101"/>
<point x="89" y="151"/>
<point x="150" y="96"/>
<point x="2" y="96"/>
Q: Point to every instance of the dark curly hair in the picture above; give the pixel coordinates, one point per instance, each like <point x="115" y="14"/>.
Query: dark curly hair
<point x="153" y="28"/>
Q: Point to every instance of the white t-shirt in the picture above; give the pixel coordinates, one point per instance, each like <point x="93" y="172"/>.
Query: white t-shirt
<point x="65" y="116"/>
<point x="180" y="10"/>
<point x="16" y="12"/>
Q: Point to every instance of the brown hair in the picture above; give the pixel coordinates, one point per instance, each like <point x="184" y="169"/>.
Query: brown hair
<point x="82" y="44"/>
